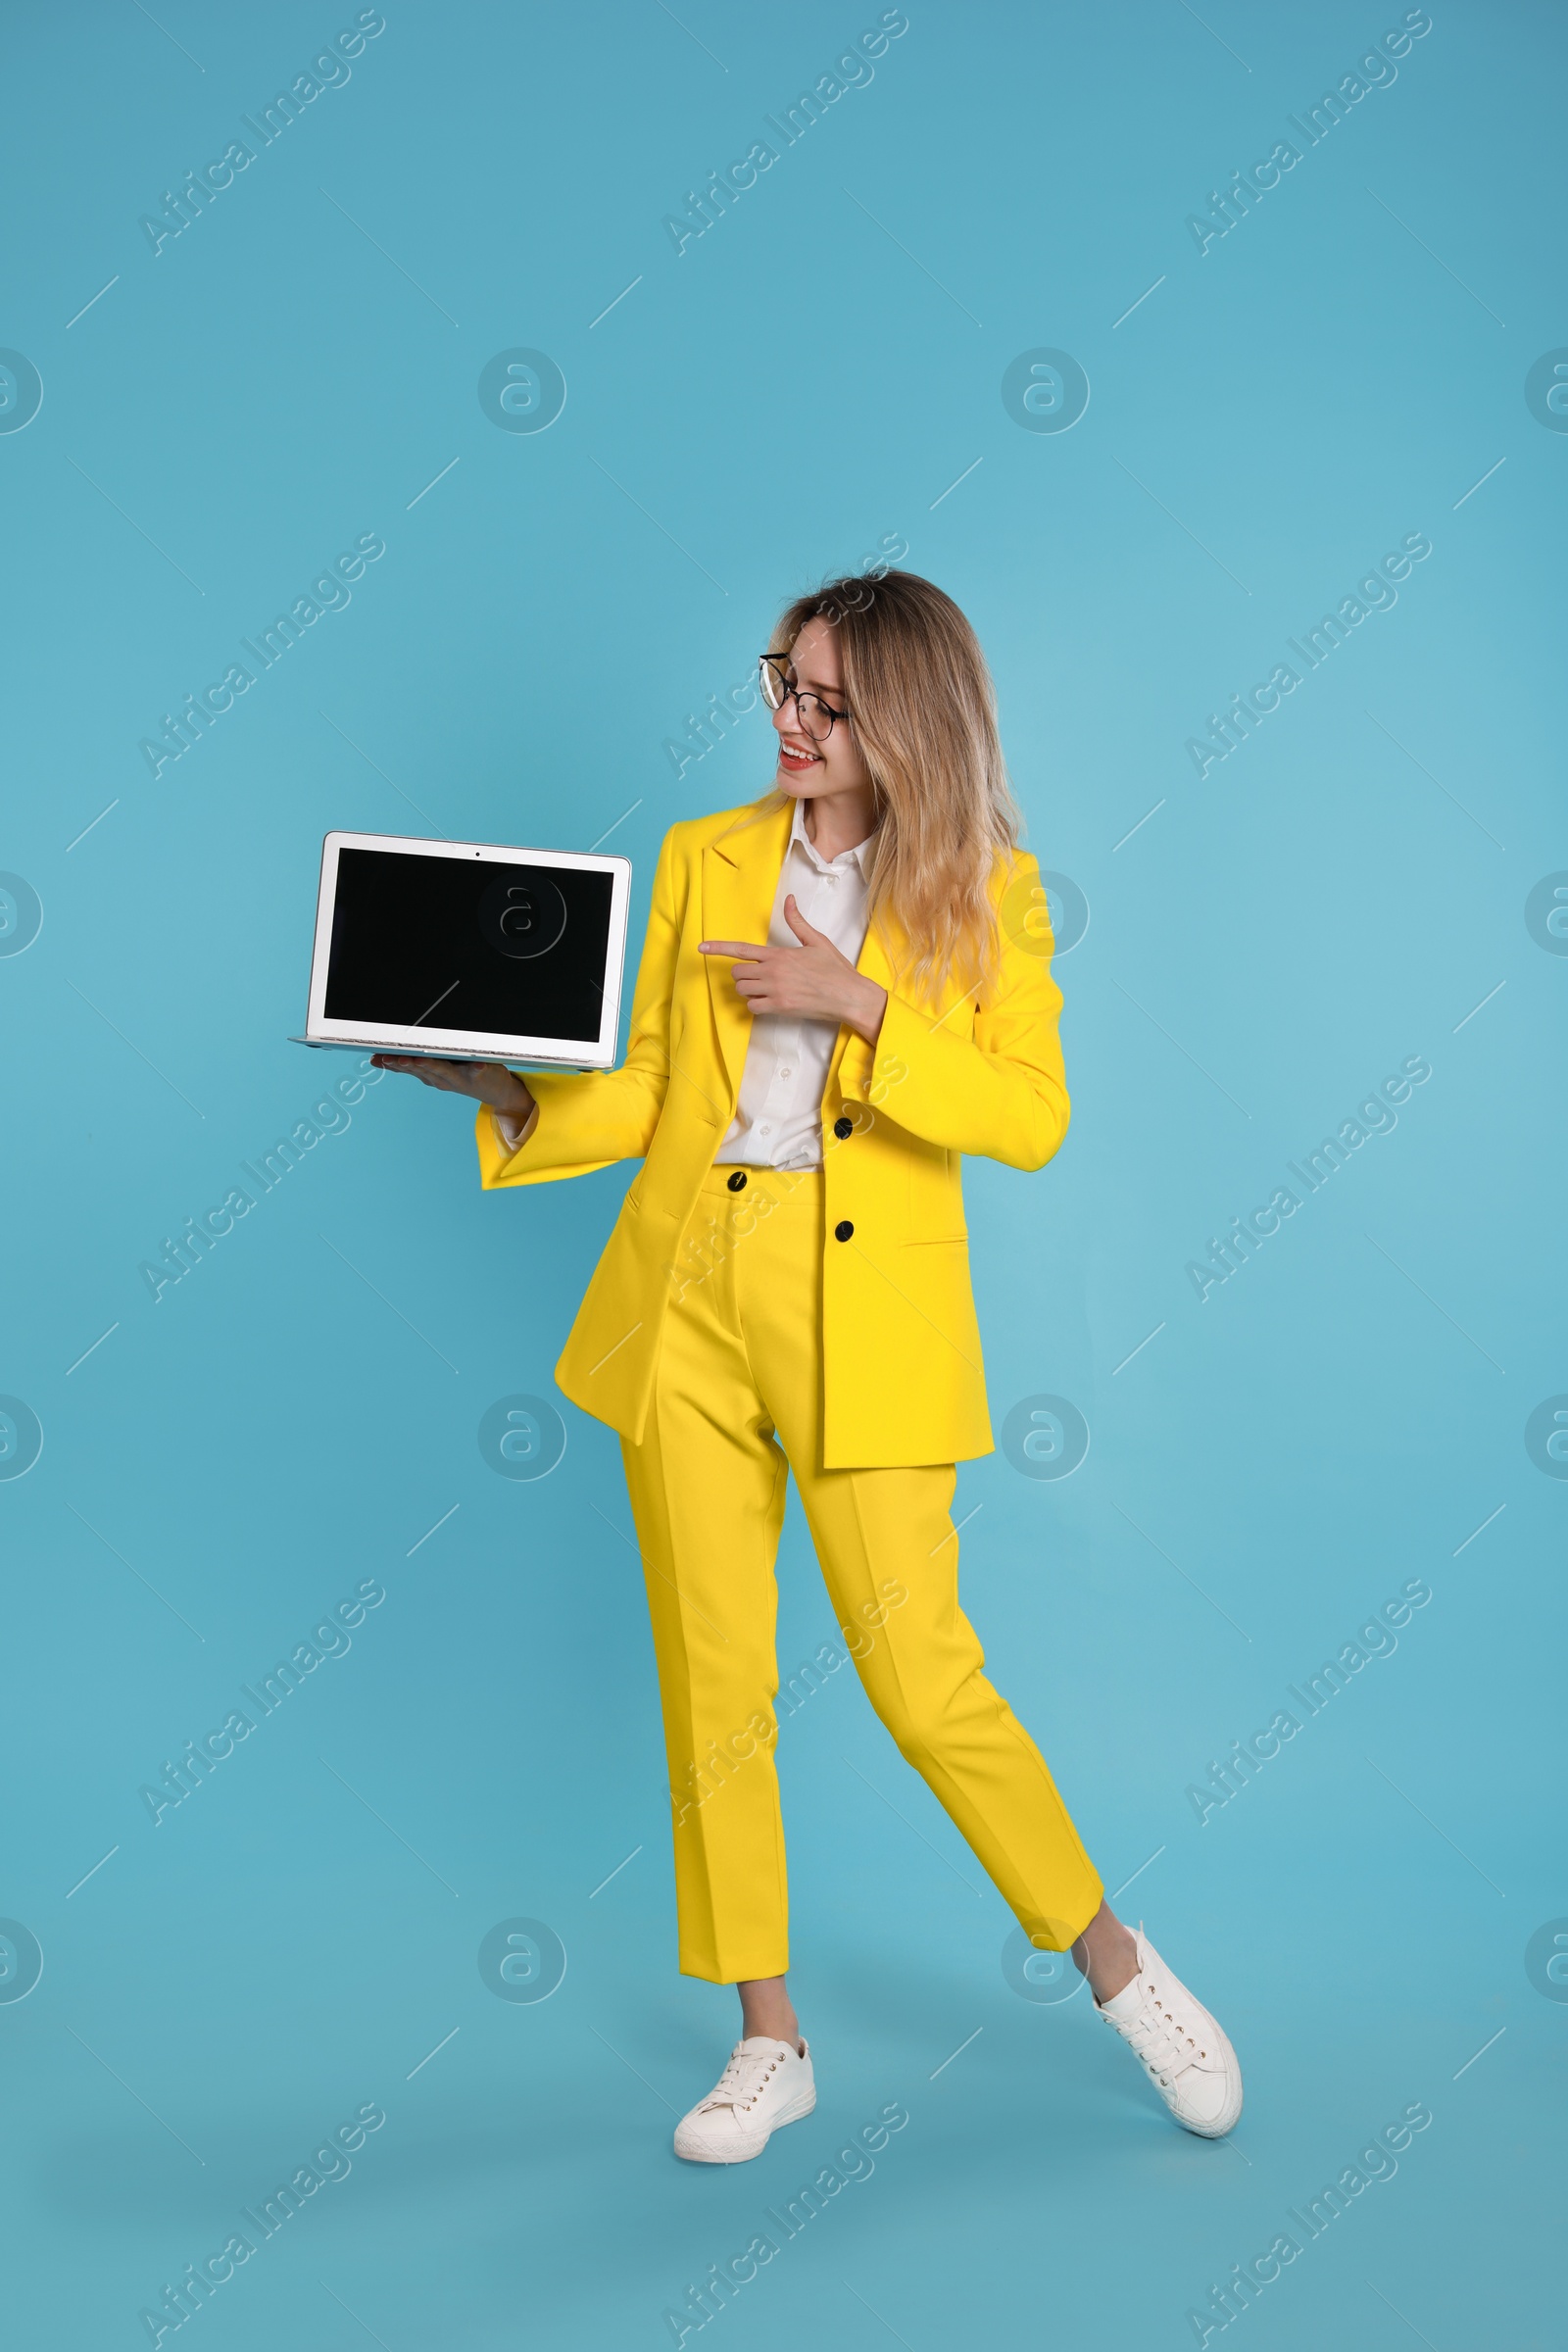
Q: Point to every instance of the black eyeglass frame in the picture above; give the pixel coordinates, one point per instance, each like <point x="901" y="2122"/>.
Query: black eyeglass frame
<point x="776" y="662"/>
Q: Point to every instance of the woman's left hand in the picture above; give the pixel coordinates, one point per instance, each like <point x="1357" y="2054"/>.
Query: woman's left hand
<point x="813" y="982"/>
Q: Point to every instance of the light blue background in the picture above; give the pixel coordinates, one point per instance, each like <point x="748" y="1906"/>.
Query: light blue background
<point x="1340" y="894"/>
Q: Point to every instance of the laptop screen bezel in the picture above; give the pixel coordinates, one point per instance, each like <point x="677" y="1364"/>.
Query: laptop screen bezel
<point x="470" y="1045"/>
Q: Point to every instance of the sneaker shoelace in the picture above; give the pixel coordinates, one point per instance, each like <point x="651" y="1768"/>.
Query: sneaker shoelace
<point x="745" y="2074"/>
<point x="1165" y="2044"/>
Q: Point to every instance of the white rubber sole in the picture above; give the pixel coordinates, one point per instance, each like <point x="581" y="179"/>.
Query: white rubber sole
<point x="742" y="2152"/>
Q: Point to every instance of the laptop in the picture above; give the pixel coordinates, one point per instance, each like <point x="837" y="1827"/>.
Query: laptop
<point x="468" y="951"/>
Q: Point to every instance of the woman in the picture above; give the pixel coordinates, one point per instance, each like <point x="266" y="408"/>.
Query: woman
<point x="844" y="988"/>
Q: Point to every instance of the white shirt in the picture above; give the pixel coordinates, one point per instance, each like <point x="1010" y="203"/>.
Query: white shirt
<point x="778" y="1117"/>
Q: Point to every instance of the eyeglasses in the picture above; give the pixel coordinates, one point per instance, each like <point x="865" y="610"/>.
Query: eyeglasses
<point x="815" y="716"/>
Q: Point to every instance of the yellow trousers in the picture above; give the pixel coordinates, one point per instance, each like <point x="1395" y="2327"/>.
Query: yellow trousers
<point x="737" y="1403"/>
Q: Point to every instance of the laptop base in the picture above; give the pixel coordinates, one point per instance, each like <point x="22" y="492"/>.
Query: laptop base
<point x="365" y="1045"/>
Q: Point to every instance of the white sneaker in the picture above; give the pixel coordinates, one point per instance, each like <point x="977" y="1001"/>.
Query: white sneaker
<point x="765" y="2084"/>
<point x="1183" y="2050"/>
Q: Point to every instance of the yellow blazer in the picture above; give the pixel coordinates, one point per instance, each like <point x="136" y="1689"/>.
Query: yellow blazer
<point x="903" y="1381"/>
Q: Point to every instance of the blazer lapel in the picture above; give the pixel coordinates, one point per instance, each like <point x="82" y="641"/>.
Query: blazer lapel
<point x="850" y="1070"/>
<point x="740" y="875"/>
<point x="853" y="1059"/>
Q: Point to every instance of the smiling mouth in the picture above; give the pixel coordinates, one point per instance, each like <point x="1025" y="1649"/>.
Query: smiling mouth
<point x="797" y="762"/>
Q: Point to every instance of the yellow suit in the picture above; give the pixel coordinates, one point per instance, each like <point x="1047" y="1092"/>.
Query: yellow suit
<point x="746" y="1322"/>
<point x="904" y="1382"/>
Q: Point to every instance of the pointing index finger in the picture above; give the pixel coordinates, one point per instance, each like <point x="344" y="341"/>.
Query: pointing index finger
<point x="728" y="946"/>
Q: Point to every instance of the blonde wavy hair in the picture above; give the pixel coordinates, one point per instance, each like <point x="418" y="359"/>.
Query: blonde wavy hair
<point x="922" y="708"/>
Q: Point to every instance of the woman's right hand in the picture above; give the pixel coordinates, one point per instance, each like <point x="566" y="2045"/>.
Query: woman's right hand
<point x="486" y="1081"/>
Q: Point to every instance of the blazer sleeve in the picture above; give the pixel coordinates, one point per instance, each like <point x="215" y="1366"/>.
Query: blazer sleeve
<point x="588" y="1119"/>
<point x="999" y="1093"/>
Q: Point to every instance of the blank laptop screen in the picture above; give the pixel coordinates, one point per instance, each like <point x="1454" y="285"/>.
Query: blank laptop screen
<point x="458" y="942"/>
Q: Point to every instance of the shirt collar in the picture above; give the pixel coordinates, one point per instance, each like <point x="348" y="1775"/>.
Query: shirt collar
<point x="861" y="852"/>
